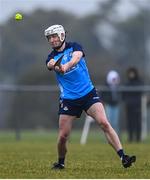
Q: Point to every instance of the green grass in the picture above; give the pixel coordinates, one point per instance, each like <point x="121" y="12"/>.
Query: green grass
<point x="33" y="155"/>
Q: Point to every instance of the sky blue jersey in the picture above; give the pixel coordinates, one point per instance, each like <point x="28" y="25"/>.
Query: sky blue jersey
<point x="76" y="82"/>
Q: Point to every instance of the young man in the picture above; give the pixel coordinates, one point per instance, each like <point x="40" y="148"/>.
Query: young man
<point x="77" y="93"/>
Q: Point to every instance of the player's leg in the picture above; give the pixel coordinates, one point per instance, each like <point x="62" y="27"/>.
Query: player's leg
<point x="68" y="111"/>
<point x="65" y="125"/>
<point x="98" y="113"/>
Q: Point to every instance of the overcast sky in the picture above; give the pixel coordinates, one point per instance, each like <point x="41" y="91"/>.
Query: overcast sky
<point x="79" y="7"/>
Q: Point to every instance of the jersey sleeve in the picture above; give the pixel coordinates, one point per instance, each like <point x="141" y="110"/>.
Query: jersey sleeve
<point x="77" y="47"/>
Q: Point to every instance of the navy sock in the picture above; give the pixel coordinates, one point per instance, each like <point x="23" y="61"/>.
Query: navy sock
<point x="120" y="153"/>
<point x="61" y="160"/>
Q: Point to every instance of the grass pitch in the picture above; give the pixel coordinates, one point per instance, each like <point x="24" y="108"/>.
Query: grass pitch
<point x="32" y="156"/>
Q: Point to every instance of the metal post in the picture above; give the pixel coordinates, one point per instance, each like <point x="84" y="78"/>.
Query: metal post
<point x="144" y="116"/>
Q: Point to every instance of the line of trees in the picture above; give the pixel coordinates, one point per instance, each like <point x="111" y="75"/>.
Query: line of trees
<point x="24" y="50"/>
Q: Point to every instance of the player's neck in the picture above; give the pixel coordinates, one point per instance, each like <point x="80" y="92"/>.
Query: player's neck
<point x="62" y="47"/>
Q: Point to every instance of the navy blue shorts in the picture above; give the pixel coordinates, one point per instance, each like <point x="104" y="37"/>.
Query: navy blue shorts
<point x="76" y="106"/>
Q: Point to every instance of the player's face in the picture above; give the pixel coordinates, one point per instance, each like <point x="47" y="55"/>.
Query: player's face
<point x="54" y="40"/>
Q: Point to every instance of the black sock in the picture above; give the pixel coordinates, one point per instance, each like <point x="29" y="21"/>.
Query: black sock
<point x="61" y="160"/>
<point x="121" y="153"/>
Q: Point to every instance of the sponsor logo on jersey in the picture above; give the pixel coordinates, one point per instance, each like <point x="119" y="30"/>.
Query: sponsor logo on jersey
<point x="95" y="97"/>
<point x="65" y="108"/>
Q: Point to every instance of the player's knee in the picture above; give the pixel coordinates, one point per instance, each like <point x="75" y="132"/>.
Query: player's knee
<point x="105" y="125"/>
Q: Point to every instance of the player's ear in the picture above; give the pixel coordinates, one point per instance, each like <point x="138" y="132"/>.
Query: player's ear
<point x="62" y="36"/>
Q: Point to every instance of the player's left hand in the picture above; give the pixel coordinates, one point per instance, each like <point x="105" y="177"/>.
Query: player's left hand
<point x="61" y="69"/>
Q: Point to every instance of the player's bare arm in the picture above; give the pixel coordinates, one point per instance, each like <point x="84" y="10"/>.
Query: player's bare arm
<point x="76" y="56"/>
